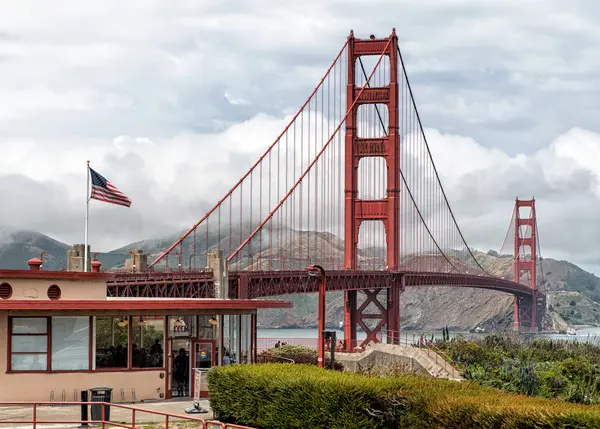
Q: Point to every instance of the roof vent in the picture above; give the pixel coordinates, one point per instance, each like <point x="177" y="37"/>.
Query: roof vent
<point x="35" y="264"/>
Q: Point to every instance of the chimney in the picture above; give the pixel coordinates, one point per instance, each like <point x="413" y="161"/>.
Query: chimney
<point x="34" y="264"/>
<point x="96" y="264"/>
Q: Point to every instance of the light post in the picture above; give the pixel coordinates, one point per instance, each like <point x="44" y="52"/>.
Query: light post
<point x="42" y="258"/>
<point x="312" y="271"/>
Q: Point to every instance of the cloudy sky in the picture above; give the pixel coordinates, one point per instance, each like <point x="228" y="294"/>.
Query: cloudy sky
<point x="148" y="90"/>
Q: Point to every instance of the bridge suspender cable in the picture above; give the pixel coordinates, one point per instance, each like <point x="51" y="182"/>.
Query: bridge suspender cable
<point x="425" y="223"/>
<point x="510" y="224"/>
<point x="258" y="162"/>
<point x="316" y="158"/>
<point x="537" y="237"/>
<point x="385" y="131"/>
<point x="433" y="163"/>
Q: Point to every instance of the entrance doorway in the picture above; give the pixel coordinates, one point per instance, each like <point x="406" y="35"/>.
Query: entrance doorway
<point x="179" y="365"/>
<point x="185" y="357"/>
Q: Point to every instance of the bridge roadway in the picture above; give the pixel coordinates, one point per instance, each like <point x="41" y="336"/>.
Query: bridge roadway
<point x="256" y="284"/>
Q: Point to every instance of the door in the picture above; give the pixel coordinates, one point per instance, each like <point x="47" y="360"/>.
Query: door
<point x="203" y="359"/>
<point x="179" y="365"/>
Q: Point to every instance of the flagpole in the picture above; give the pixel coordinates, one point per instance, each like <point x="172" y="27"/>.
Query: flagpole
<point x="87" y="215"/>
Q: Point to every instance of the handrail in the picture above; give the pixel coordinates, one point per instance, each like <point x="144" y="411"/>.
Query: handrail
<point x="206" y="423"/>
<point x="437" y="352"/>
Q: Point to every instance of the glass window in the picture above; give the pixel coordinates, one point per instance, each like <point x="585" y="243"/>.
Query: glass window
<point x="226" y="340"/>
<point x="29" y="362"/>
<point x="234" y="337"/>
<point x="29" y="325"/>
<point x="70" y="343"/>
<point x="207" y="327"/>
<point x="245" y="333"/>
<point x="148" y="342"/>
<point x="182" y="326"/>
<point x="112" y="342"/>
<point x="29" y="344"/>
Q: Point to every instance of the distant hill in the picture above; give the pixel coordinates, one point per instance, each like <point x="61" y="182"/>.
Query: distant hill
<point x="574" y="294"/>
<point x="17" y="247"/>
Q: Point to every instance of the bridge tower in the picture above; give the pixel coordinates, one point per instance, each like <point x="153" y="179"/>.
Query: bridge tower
<point x="386" y="210"/>
<point x="525" y="317"/>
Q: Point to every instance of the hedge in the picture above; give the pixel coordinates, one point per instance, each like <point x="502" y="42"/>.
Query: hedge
<point x="282" y="396"/>
<point x="297" y="354"/>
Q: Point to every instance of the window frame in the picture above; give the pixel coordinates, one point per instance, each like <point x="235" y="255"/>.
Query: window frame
<point x="47" y="335"/>
<point x="91" y="349"/>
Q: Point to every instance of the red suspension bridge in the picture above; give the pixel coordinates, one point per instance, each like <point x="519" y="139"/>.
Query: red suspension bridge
<point x="350" y="184"/>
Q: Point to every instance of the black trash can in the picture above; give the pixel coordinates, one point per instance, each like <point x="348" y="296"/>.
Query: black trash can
<point x="100" y="394"/>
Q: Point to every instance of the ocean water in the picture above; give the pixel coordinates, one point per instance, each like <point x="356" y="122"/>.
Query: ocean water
<point x="302" y="336"/>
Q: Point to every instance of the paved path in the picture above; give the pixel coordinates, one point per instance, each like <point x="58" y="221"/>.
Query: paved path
<point x="118" y="415"/>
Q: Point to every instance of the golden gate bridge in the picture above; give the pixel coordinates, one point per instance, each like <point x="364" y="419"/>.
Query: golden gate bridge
<point x="349" y="184"/>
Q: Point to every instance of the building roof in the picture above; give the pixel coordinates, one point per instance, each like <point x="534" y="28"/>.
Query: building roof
<point x="143" y="306"/>
<point x="51" y="275"/>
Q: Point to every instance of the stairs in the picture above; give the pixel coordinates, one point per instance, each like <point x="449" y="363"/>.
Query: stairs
<point x="418" y="360"/>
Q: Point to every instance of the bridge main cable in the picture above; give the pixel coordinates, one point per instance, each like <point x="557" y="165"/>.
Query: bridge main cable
<point x="257" y="163"/>
<point x="420" y="124"/>
<point x="316" y="158"/>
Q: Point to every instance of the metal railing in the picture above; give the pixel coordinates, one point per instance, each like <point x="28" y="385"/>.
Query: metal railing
<point x="404" y="339"/>
<point x="439" y="354"/>
<point x="135" y="412"/>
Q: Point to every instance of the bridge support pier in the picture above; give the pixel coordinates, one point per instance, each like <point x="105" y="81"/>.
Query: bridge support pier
<point x="530" y="313"/>
<point x="393" y="314"/>
<point x="350" y="319"/>
<point x="373" y="316"/>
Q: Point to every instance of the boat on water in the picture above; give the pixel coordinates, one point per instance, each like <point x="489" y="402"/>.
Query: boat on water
<point x="571" y="331"/>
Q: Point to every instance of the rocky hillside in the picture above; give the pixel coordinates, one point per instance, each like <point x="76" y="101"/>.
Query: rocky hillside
<point x="574" y="294"/>
<point x="17" y="247"/>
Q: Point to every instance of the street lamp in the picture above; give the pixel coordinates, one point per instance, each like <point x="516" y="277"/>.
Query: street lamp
<point x="42" y="258"/>
<point x="313" y="271"/>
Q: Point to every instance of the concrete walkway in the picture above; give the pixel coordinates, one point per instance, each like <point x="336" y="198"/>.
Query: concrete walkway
<point x="117" y="415"/>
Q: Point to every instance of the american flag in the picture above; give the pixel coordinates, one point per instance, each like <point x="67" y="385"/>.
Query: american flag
<point x="103" y="190"/>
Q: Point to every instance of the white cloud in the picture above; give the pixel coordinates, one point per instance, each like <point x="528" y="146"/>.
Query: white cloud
<point x="172" y="103"/>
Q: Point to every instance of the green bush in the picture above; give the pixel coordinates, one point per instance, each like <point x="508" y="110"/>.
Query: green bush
<point x="278" y="396"/>
<point x="567" y="370"/>
<point x="297" y="354"/>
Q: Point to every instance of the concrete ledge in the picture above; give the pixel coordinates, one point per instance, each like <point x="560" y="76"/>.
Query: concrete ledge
<point x="420" y="361"/>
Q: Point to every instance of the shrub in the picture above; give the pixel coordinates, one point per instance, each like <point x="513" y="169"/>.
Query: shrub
<point x="297" y="354"/>
<point x="540" y="367"/>
<point x="278" y="396"/>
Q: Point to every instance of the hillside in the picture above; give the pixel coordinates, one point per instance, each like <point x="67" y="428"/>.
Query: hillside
<point x="17" y="247"/>
<point x="574" y="294"/>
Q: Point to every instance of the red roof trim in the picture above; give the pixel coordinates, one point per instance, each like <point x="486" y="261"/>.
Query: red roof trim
<point x="51" y="275"/>
<point x="143" y="304"/>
